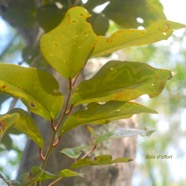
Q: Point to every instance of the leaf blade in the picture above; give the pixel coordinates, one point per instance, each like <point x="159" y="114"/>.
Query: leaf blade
<point x="68" y="46"/>
<point x="121" y="133"/>
<point x="40" y="95"/>
<point x="160" y="30"/>
<point x="99" y="160"/>
<point x="26" y="124"/>
<point x="121" y="81"/>
<point x="102" y="114"/>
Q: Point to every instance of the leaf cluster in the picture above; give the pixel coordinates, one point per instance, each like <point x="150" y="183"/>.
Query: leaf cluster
<point x="105" y="97"/>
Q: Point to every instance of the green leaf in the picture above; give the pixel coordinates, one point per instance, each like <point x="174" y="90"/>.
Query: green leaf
<point x="26" y="124"/>
<point x="47" y="176"/>
<point x="160" y="30"/>
<point x="68" y="47"/>
<point x="100" y="23"/>
<point x="122" y="132"/>
<point x="68" y="173"/>
<point x="122" y="81"/>
<point x="125" y="12"/>
<point x="6" y="121"/>
<point x="49" y="16"/>
<point x="38" y="90"/>
<point x="99" y="160"/>
<point x="103" y="113"/>
<point x="62" y="174"/>
<point x="30" y="178"/>
<point x="73" y="153"/>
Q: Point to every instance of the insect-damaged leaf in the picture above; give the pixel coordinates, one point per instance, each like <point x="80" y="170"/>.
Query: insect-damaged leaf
<point x="38" y="90"/>
<point x="160" y="30"/>
<point x="99" y="160"/>
<point x="69" y="45"/>
<point x="121" y="81"/>
<point x="103" y="113"/>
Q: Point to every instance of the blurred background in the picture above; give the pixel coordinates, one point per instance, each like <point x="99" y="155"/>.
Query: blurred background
<point x="169" y="137"/>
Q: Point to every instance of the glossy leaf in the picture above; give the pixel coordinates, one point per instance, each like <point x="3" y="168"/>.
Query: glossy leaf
<point x="99" y="160"/>
<point x="26" y="124"/>
<point x="103" y="113"/>
<point x="121" y="133"/>
<point x="38" y="90"/>
<point x="69" y="45"/>
<point x="6" y="121"/>
<point x="160" y="30"/>
<point x="122" y="81"/>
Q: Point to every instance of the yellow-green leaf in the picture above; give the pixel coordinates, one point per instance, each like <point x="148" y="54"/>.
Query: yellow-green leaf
<point x="160" y="30"/>
<point x="38" y="90"/>
<point x="68" y="173"/>
<point x="103" y="113"/>
<point x="67" y="47"/>
<point x="26" y="124"/>
<point x="121" y="81"/>
<point x="6" y="121"/>
<point x="99" y="160"/>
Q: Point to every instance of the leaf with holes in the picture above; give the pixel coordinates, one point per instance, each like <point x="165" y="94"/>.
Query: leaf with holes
<point x="38" y="90"/>
<point x="121" y="133"/>
<point x="121" y="81"/>
<point x="103" y="113"/>
<point x="26" y="124"/>
<point x="160" y="30"/>
<point x="99" y="160"/>
<point x="69" y="45"/>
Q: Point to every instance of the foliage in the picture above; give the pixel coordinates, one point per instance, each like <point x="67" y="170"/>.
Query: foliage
<point x="107" y="96"/>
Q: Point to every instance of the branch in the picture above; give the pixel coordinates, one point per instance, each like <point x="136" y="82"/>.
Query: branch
<point x="5" y="180"/>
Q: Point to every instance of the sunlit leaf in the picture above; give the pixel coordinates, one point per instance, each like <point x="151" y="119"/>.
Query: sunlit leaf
<point x="160" y="30"/>
<point x="121" y="81"/>
<point x="26" y="124"/>
<point x="103" y="113"/>
<point x="68" y="46"/>
<point x="122" y="132"/>
<point x="38" y="90"/>
<point x="99" y="160"/>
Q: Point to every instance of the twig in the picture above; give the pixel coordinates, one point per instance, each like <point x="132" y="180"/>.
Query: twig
<point x="90" y="151"/>
<point x="5" y="180"/>
<point x="54" y="182"/>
